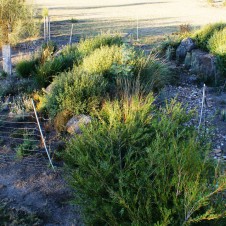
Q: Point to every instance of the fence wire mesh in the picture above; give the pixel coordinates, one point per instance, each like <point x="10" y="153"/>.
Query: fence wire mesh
<point x="20" y="138"/>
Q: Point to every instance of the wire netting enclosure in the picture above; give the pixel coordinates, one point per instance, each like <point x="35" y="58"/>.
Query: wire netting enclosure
<point x="20" y="137"/>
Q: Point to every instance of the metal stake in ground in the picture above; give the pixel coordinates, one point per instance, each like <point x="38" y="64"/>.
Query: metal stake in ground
<point x="49" y="28"/>
<point x="43" y="139"/>
<point x="137" y="29"/>
<point x="203" y="101"/>
<point x="71" y="34"/>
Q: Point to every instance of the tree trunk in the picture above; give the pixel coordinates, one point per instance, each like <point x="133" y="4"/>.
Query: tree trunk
<point x="6" y="55"/>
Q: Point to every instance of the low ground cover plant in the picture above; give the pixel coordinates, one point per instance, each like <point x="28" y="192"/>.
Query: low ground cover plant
<point x="138" y="165"/>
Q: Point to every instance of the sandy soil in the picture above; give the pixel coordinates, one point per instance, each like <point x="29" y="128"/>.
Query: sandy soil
<point x="160" y="16"/>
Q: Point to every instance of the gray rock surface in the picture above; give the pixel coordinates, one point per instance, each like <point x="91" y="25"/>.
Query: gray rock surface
<point x="75" y="123"/>
<point x="204" y="64"/>
<point x="186" y="45"/>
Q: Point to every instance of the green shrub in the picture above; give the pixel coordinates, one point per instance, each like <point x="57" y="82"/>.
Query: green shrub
<point x="203" y="35"/>
<point x="72" y="50"/>
<point x="115" y="68"/>
<point x="217" y="46"/>
<point x="76" y="92"/>
<point x="118" y="64"/>
<point x="88" y="45"/>
<point x="172" y="41"/>
<point x="46" y="72"/>
<point x="137" y="165"/>
<point x="3" y="74"/>
<point x="102" y="59"/>
<point x="217" y="43"/>
<point x="154" y="73"/>
<point x="26" y="68"/>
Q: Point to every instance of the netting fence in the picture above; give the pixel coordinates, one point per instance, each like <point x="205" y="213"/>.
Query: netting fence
<point x="21" y="137"/>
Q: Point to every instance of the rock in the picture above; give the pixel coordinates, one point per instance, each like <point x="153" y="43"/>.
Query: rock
<point x="49" y="88"/>
<point x="5" y="105"/>
<point x="186" y="45"/>
<point x="218" y="155"/>
<point x="2" y="186"/>
<point x="187" y="61"/>
<point x="217" y="151"/>
<point x="75" y="123"/>
<point x="204" y="64"/>
<point x="170" y="53"/>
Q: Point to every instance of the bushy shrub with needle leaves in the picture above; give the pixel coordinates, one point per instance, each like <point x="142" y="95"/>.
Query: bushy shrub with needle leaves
<point x="138" y="165"/>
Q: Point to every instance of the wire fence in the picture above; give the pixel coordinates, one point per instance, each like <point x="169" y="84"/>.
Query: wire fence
<point x="23" y="138"/>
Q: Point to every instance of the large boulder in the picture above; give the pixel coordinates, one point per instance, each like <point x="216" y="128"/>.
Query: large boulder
<point x="186" y="45"/>
<point x="187" y="60"/>
<point x="75" y="123"/>
<point x="204" y="64"/>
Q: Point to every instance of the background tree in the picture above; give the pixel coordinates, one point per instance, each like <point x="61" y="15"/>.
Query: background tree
<point x="17" y="21"/>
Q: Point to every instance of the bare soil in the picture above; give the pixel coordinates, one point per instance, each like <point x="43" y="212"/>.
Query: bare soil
<point x="28" y="183"/>
<point x="38" y="191"/>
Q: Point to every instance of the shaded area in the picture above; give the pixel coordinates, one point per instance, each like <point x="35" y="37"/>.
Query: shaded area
<point x="106" y="6"/>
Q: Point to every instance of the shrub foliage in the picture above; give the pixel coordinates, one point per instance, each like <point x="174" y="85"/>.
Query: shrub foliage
<point x="26" y="68"/>
<point x="217" y="46"/>
<point x="88" y="45"/>
<point x="76" y="92"/>
<point x="137" y="165"/>
<point x="203" y="35"/>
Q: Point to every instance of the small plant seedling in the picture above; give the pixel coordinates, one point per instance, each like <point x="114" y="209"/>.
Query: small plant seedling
<point x="223" y="115"/>
<point x="45" y="12"/>
<point x="222" y="102"/>
<point x="24" y="148"/>
<point x="3" y="74"/>
<point x="73" y="20"/>
<point x="185" y="28"/>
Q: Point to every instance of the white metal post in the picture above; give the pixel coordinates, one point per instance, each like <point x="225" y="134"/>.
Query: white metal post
<point x="44" y="28"/>
<point x="70" y="40"/>
<point x="137" y="29"/>
<point x="203" y="101"/>
<point x="43" y="139"/>
<point x="49" y="28"/>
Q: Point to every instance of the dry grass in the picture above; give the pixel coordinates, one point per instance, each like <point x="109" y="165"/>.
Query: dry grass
<point x="156" y="17"/>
